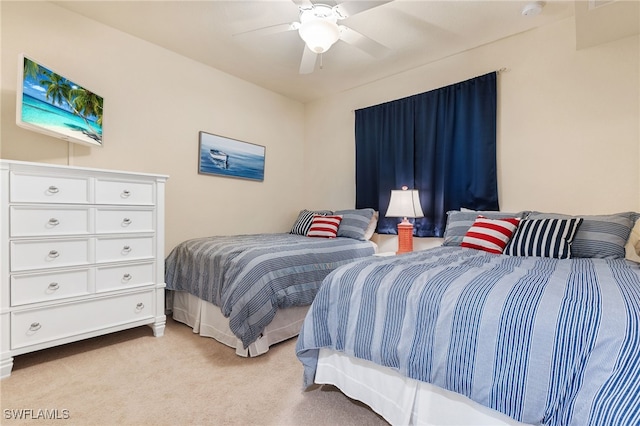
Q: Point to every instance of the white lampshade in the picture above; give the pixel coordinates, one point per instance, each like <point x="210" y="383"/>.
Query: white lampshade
<point x="319" y="33"/>
<point x="404" y="203"/>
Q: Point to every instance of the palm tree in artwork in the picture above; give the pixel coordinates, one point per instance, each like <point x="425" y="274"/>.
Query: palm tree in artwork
<point x="58" y="88"/>
<point x="82" y="102"/>
<point x="87" y="103"/>
<point x="31" y="68"/>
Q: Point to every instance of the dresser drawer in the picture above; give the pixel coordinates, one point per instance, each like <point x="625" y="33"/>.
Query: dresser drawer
<point x="48" y="189"/>
<point x="119" y="249"/>
<point x="130" y="275"/>
<point x="122" y="192"/>
<point x="30" y="327"/>
<point x="35" y="288"/>
<point x="116" y="221"/>
<point x="33" y="221"/>
<point x="27" y="255"/>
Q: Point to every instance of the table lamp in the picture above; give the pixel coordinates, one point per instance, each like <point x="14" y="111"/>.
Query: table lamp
<point x="405" y="203"/>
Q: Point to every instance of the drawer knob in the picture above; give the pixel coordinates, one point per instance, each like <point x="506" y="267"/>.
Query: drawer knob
<point x="126" y="249"/>
<point x="126" y="277"/>
<point x="35" y="326"/>
<point x="53" y="254"/>
<point x="126" y="221"/>
<point x="140" y="306"/>
<point x="53" y="189"/>
<point x="53" y="286"/>
<point x="126" y="193"/>
<point x="54" y="222"/>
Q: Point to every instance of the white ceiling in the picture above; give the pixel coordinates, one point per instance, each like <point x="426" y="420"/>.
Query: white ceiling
<point x="415" y="31"/>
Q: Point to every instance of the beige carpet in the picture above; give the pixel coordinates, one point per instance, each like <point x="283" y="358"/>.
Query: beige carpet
<point x="133" y="378"/>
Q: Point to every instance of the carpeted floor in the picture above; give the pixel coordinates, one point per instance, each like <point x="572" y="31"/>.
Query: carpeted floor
<point x="133" y="378"/>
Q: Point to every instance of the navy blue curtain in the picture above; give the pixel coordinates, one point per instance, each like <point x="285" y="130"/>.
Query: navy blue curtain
<point x="441" y="142"/>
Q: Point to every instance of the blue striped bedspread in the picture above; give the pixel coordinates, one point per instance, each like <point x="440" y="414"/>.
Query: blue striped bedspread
<point x="250" y="276"/>
<point x="544" y="341"/>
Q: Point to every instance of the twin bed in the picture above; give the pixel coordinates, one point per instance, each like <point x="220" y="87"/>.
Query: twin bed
<point x="454" y="335"/>
<point x="250" y="292"/>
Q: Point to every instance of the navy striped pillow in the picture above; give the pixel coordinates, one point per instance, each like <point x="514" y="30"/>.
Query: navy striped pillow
<point x="543" y="238"/>
<point x="599" y="236"/>
<point x="303" y="222"/>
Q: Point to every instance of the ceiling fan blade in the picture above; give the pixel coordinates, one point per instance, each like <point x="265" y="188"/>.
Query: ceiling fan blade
<point x="308" y="63"/>
<point x="350" y="8"/>
<point x="303" y="4"/>
<point x="273" y="29"/>
<point x="362" y="42"/>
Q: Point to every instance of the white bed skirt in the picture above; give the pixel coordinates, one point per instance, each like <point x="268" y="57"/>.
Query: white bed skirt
<point x="401" y="400"/>
<point x="206" y="319"/>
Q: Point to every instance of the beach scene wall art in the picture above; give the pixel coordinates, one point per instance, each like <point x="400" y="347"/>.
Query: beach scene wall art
<point x="54" y="105"/>
<point x="223" y="156"/>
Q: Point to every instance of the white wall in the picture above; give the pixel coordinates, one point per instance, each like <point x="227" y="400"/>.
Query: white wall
<point x="156" y="102"/>
<point x="568" y="123"/>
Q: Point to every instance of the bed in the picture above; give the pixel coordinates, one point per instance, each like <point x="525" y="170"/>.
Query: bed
<point x="252" y="291"/>
<point x="459" y="335"/>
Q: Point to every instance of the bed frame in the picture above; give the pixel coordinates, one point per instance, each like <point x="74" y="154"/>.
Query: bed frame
<point x="207" y="320"/>
<point x="401" y="400"/>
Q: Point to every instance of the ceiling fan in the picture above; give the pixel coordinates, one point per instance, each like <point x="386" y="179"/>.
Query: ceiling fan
<point x="319" y="29"/>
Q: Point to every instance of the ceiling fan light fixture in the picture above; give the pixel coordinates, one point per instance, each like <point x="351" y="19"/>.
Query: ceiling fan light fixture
<point x="319" y="35"/>
<point x="318" y="28"/>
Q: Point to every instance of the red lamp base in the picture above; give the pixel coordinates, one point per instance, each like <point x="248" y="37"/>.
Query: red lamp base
<point x="405" y="237"/>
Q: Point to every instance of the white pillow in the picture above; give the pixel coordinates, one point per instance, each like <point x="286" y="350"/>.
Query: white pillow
<point x="632" y="249"/>
<point x="371" y="228"/>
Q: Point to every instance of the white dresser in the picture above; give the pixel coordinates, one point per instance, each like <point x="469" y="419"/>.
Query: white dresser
<point x="81" y="255"/>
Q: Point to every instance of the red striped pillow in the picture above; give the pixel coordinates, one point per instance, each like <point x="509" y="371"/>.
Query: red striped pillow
<point x="324" y="226"/>
<point x="490" y="235"/>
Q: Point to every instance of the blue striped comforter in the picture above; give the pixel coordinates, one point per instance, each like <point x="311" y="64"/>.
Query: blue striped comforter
<point x="544" y="341"/>
<point x="250" y="276"/>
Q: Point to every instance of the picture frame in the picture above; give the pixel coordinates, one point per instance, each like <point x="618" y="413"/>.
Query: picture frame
<point x="222" y="156"/>
<point x="51" y="104"/>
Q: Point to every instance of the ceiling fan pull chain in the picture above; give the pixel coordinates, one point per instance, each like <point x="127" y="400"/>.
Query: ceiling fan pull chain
<point x="321" y="65"/>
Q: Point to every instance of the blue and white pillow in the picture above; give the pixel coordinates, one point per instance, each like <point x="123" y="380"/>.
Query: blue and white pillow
<point x="544" y="238"/>
<point x="599" y="236"/>
<point x="303" y="222"/>
<point x="354" y="223"/>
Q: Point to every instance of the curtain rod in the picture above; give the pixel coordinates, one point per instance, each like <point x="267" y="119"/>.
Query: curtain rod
<point x="498" y="71"/>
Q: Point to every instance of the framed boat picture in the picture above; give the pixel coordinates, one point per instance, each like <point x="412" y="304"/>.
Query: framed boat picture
<point x="223" y="156"/>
